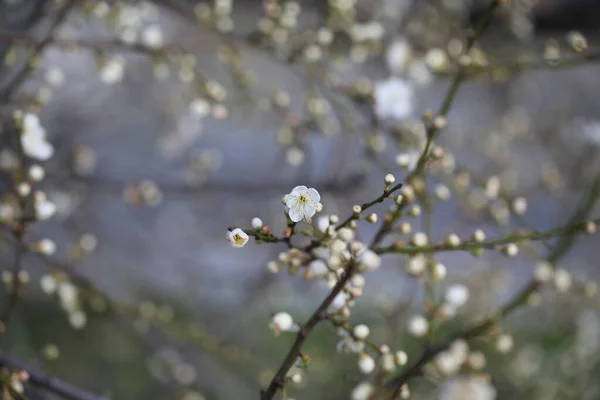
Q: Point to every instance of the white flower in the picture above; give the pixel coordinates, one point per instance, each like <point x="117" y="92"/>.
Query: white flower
<point x="504" y="343"/>
<point x="348" y="344"/>
<point x="302" y="203"/>
<point x="369" y="259"/>
<point x="48" y="284"/>
<point x="152" y="36"/>
<point x="55" y="76"/>
<point x="397" y="56"/>
<point x="112" y="72"/>
<point x="362" y="391"/>
<point x="36" y="173"/>
<point x="67" y="292"/>
<point x="237" y="237"/>
<point x="436" y="59"/>
<point x="457" y="295"/>
<point x="338" y="302"/>
<point x="366" y="364"/>
<point x="361" y="331"/>
<point x="46" y="246"/>
<point x="257" y="223"/>
<point x="33" y="138"/>
<point x="418" y="326"/>
<point x="44" y="208"/>
<point x="77" y="319"/>
<point x="318" y="268"/>
<point x="416" y="265"/>
<point x="467" y="387"/>
<point x="282" y="322"/>
<point x="394" y="98"/>
<point x="562" y="280"/>
<point x="199" y="107"/>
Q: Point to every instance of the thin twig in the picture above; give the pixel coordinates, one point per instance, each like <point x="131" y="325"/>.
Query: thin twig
<point x="20" y="74"/>
<point x="48" y="382"/>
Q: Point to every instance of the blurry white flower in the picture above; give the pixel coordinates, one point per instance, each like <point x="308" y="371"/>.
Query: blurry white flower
<point x="46" y="246"/>
<point x="418" y="326"/>
<point x="36" y="173"/>
<point x="33" y="138"/>
<point x="450" y="361"/>
<point x="199" y="107"/>
<point x="369" y="259"/>
<point x="416" y="265"/>
<point x="504" y="343"/>
<point x="152" y="36"/>
<point x="362" y="391"/>
<point x="44" y="208"/>
<point x="457" y="295"/>
<point x="318" y="268"/>
<point x="361" y="331"/>
<point x="543" y="271"/>
<point x="282" y="322"/>
<point x="338" y="302"/>
<point x="67" y="292"/>
<point x="562" y="280"/>
<point x="394" y="98"/>
<point x="55" y="76"/>
<point x="237" y="237"/>
<point x="302" y="203"/>
<point x="437" y="60"/>
<point x="419" y="73"/>
<point x="257" y="223"/>
<point x="77" y="319"/>
<point x="467" y="387"/>
<point x="401" y="358"/>
<point x="348" y="344"/>
<point x="113" y="70"/>
<point x="366" y="364"/>
<point x="48" y="284"/>
<point x="397" y="56"/>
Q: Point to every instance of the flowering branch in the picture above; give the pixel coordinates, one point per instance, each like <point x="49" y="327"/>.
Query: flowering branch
<point x="474" y="245"/>
<point x="46" y="38"/>
<point x="319" y="315"/>
<point x="587" y="205"/>
<point x="48" y="382"/>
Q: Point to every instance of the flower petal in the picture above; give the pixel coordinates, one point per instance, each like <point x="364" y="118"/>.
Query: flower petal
<point x="299" y="190"/>
<point x="296" y="214"/>
<point x="315" y="196"/>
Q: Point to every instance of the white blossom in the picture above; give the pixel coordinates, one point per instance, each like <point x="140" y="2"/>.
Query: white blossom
<point x="366" y="363"/>
<point x="457" y="295"/>
<point x="467" y="387"/>
<point x="282" y="322"/>
<point x="418" y="326"/>
<point x="257" y="223"/>
<point x="48" y="284"/>
<point x="67" y="292"/>
<point x="338" y="302"/>
<point x="504" y="343"/>
<point x="398" y="55"/>
<point x="369" y="259"/>
<point x="46" y="246"/>
<point x="318" y="268"/>
<point x="113" y="70"/>
<point x="348" y="344"/>
<point x="77" y="319"/>
<point x="152" y="36"/>
<point x="36" y="172"/>
<point x="416" y="265"/>
<point x="361" y="331"/>
<point x="33" y="138"/>
<point x="362" y="391"/>
<point x="237" y="237"/>
<point x="394" y="98"/>
<point x="44" y="208"/>
<point x="302" y="203"/>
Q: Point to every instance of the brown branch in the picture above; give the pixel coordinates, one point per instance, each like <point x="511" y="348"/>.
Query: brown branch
<point x="319" y="315"/>
<point x="46" y="38"/>
<point x="48" y="382"/>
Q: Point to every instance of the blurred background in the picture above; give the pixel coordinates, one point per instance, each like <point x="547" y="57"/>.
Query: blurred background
<point x="173" y="120"/>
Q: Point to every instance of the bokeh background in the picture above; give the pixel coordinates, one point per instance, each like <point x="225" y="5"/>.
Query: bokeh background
<point x="146" y="188"/>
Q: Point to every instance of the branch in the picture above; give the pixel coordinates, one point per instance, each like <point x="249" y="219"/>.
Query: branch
<point x="490" y="244"/>
<point x="319" y="315"/>
<point x="587" y="205"/>
<point x="48" y="382"/>
<point x="46" y="38"/>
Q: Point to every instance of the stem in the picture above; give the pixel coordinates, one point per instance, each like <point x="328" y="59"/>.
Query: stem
<point x="319" y="315"/>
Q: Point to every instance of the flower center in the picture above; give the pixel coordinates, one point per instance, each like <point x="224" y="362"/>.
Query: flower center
<point x="237" y="238"/>
<point x="302" y="200"/>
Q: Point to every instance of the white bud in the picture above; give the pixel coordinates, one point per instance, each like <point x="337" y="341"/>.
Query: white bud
<point x="346" y="234"/>
<point x="366" y="364"/>
<point x="257" y="223"/>
<point x="389" y="179"/>
<point x="361" y="331"/>
<point x="457" y="295"/>
<point x="416" y="265"/>
<point x="511" y="250"/>
<point x="543" y="272"/>
<point x="418" y="326"/>
<point x="362" y="392"/>
<point x="398" y="199"/>
<point x="48" y="284"/>
<point x="356" y="209"/>
<point x="401" y="358"/>
<point x="420" y="239"/>
<point x="442" y="192"/>
<point x="387" y="362"/>
<point x="439" y="272"/>
<point x="36" y="173"/>
<point x="479" y="236"/>
<point x="372" y="218"/>
<point x="504" y="343"/>
<point x="282" y="322"/>
<point x="519" y="205"/>
<point x="46" y="246"/>
<point x="318" y="268"/>
<point x="453" y="240"/>
<point x="369" y="259"/>
<point x="562" y="280"/>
